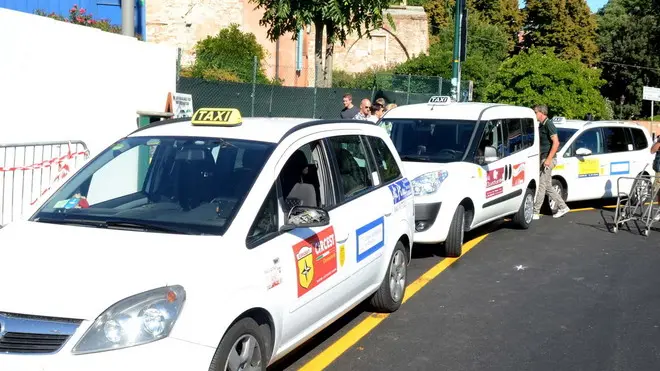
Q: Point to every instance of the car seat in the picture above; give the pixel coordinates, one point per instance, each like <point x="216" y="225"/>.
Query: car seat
<point x="195" y="178"/>
<point x="352" y="176"/>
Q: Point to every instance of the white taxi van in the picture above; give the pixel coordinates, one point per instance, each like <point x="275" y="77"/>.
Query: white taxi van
<point x="471" y="163"/>
<point x="593" y="155"/>
<point x="214" y="243"/>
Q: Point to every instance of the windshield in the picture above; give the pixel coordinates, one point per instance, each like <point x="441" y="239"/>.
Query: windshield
<point x="564" y="135"/>
<point x="430" y="140"/>
<point x="171" y="184"/>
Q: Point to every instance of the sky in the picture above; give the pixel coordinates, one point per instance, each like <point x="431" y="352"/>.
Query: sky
<point x="593" y="4"/>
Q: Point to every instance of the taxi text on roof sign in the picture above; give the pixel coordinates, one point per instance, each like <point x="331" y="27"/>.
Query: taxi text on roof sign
<point x="217" y="117"/>
<point x="439" y="100"/>
<point x="559" y="120"/>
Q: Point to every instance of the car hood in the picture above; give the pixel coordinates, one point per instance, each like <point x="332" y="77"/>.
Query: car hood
<point x="415" y="169"/>
<point x="78" y="272"/>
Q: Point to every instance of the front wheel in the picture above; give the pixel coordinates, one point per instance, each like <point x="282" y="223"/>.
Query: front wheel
<point x="523" y="218"/>
<point x="556" y="184"/>
<point x="390" y="294"/>
<point x="242" y="348"/>
<point x="454" y="242"/>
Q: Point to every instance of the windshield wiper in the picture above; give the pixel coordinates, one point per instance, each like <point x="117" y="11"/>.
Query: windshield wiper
<point x="116" y="223"/>
<point x="415" y="158"/>
<point x="146" y="226"/>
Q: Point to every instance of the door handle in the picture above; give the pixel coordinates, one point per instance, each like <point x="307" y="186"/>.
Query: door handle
<point x="342" y="240"/>
<point x="388" y="213"/>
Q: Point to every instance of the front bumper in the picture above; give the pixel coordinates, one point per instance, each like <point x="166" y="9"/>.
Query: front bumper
<point x="432" y="222"/>
<point x="164" y="355"/>
<point x="425" y="215"/>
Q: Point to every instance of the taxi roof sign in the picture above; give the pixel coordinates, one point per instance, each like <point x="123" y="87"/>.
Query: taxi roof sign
<point x="559" y="120"/>
<point x="439" y="100"/>
<point x="217" y="117"/>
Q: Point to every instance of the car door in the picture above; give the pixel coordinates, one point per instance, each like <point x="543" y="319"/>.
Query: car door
<point x="497" y="169"/>
<point x="362" y="211"/>
<point x="584" y="171"/>
<point x="618" y="159"/>
<point x="519" y="165"/>
<point x="300" y="265"/>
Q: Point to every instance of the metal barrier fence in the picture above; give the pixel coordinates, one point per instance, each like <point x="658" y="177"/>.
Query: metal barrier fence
<point x="29" y="170"/>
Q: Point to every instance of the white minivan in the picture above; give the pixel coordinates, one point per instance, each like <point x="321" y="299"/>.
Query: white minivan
<point x="594" y="155"/>
<point x="217" y="243"/>
<point x="471" y="163"/>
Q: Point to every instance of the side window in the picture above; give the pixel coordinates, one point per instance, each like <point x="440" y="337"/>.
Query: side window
<point x="615" y="140"/>
<point x="639" y="139"/>
<point x="305" y="178"/>
<point x="528" y="132"/>
<point x="354" y="174"/>
<point x="592" y="140"/>
<point x="492" y="137"/>
<point x="515" y="137"/>
<point x="387" y="166"/>
<point x="266" y="224"/>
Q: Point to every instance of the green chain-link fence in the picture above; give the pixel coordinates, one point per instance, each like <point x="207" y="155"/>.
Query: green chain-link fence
<point x="259" y="100"/>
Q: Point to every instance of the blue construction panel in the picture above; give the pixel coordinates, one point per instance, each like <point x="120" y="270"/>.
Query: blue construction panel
<point x="100" y="9"/>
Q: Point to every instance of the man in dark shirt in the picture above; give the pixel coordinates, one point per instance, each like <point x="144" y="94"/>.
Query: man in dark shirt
<point x="349" y="110"/>
<point x="548" y="147"/>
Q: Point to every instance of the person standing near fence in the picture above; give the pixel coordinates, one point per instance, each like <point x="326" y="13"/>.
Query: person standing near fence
<point x="349" y="110"/>
<point x="655" y="149"/>
<point x="549" y="145"/>
<point x="365" y="110"/>
<point x="377" y="111"/>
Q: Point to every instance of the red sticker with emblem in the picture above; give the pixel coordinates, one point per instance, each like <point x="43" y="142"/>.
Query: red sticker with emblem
<point x="316" y="260"/>
<point x="494" y="177"/>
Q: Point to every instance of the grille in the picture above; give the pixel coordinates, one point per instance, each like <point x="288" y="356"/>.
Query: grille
<point x="30" y="334"/>
<point x="16" y="342"/>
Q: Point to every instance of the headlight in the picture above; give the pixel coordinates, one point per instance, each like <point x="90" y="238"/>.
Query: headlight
<point x="136" y="320"/>
<point x="429" y="183"/>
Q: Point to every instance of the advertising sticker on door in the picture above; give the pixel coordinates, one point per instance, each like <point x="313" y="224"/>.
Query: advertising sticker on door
<point x="518" y="176"/>
<point x="494" y="192"/>
<point x="494" y="177"/>
<point x="316" y="259"/>
<point x="370" y="238"/>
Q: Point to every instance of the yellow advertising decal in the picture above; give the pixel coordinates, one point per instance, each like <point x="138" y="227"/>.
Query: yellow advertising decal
<point x="588" y="168"/>
<point x="559" y="167"/>
<point x="306" y="270"/>
<point x="479" y="172"/>
<point x="342" y="255"/>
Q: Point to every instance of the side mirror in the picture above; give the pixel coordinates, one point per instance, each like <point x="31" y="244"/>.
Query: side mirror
<point x="583" y="152"/>
<point x="490" y="154"/>
<point x="306" y="217"/>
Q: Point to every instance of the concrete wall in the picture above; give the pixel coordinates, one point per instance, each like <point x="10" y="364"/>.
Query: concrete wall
<point x="65" y="82"/>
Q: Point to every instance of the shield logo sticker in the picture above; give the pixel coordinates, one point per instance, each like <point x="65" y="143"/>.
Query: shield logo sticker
<point x="306" y="270"/>
<point x="342" y="255"/>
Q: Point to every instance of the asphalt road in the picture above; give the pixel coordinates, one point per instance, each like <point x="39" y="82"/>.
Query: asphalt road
<point x="565" y="294"/>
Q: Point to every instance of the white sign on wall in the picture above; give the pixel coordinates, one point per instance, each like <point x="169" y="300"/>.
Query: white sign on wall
<point x="652" y="94"/>
<point x="182" y="105"/>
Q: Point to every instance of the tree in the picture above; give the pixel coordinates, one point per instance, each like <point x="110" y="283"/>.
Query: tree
<point x="337" y="18"/>
<point x="538" y="76"/>
<point x="504" y="13"/>
<point x="486" y="51"/>
<point x="565" y="25"/>
<point x="629" y="41"/>
<point x="228" y="56"/>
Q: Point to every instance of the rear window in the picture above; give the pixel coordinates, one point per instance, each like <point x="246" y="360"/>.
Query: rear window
<point x="640" y="139"/>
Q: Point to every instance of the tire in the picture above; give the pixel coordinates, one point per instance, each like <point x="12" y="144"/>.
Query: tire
<point x="523" y="218"/>
<point x="556" y="184"/>
<point x="454" y="242"/>
<point x="390" y="294"/>
<point x="234" y="341"/>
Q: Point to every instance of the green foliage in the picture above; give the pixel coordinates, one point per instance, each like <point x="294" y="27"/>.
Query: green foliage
<point x="629" y="35"/>
<point x="538" y="76"/>
<point x="339" y="17"/>
<point x="229" y="56"/>
<point x="486" y="51"/>
<point x="565" y="25"/>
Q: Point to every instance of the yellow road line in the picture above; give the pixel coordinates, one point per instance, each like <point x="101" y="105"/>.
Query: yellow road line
<point x="331" y="353"/>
